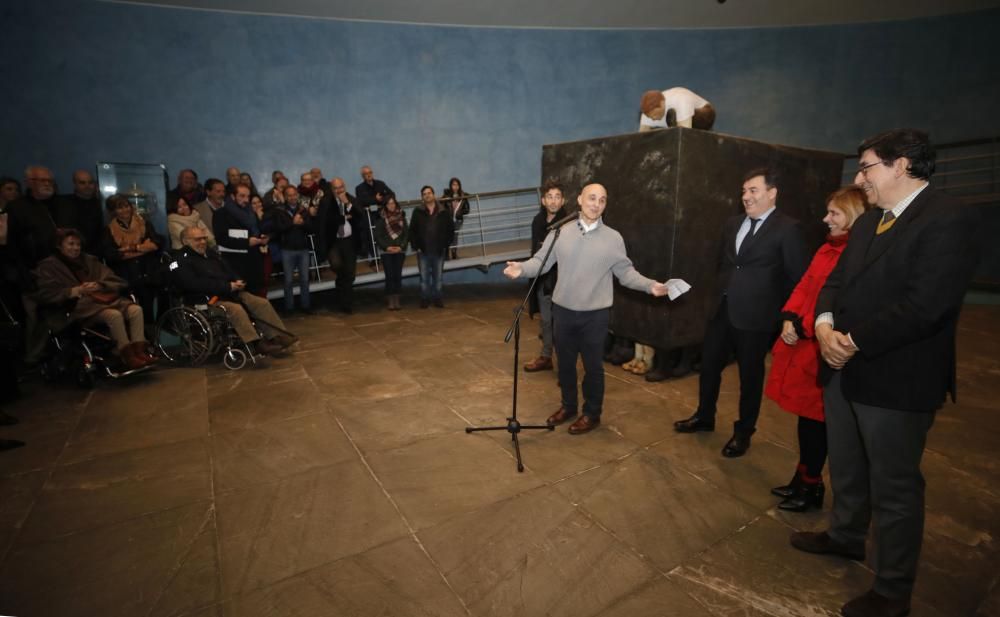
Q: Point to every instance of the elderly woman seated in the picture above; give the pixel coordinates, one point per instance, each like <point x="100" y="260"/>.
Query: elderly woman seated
<point x="132" y="248"/>
<point x="181" y="215"/>
<point x="92" y="292"/>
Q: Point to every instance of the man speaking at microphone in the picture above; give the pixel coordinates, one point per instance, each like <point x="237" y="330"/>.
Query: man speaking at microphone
<point x="588" y="253"/>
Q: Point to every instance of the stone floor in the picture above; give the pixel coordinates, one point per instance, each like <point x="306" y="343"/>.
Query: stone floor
<point x="340" y="481"/>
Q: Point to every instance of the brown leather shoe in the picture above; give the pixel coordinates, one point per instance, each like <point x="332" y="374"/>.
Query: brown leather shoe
<point x="562" y="415"/>
<point x="541" y="363"/>
<point x="873" y="604"/>
<point x="584" y="424"/>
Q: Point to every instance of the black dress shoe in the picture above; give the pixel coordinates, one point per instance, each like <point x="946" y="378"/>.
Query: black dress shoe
<point x="738" y="444"/>
<point x="873" y="604"/>
<point x="694" y="424"/>
<point x="821" y="543"/>
<point x="807" y="496"/>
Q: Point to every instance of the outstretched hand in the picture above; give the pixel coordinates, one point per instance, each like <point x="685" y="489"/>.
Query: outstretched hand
<point x="513" y="270"/>
<point x="658" y="289"/>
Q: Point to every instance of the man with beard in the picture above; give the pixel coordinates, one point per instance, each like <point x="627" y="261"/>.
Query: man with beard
<point x="432" y="229"/>
<point x="31" y="233"/>
<point x="541" y="303"/>
<point x="239" y="239"/>
<point x="215" y="199"/>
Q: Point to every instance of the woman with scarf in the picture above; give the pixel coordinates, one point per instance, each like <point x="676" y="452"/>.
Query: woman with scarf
<point x="794" y="379"/>
<point x="180" y="215"/>
<point x="132" y="249"/>
<point x="455" y="198"/>
<point x="390" y="234"/>
<point x="92" y="292"/>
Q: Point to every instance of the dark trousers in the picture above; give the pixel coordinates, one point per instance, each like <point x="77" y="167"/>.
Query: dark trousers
<point x="751" y="347"/>
<point x="581" y="333"/>
<point x="347" y="267"/>
<point x="875" y="471"/>
<point x="393" y="263"/>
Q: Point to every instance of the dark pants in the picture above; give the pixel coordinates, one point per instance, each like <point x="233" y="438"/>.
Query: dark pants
<point x="581" y="333"/>
<point x="751" y="347"/>
<point x="347" y="266"/>
<point x="875" y="471"/>
<point x="393" y="263"/>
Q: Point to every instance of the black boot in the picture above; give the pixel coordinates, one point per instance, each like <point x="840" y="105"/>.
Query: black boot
<point x="684" y="362"/>
<point x="663" y="363"/>
<point x="789" y="489"/>
<point x="623" y="352"/>
<point x="809" y="495"/>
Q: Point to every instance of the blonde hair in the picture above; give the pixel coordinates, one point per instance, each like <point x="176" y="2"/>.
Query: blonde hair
<point x="850" y="200"/>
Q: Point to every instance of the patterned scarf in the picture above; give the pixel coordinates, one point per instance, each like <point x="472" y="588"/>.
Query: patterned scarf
<point x="394" y="221"/>
<point x="128" y="235"/>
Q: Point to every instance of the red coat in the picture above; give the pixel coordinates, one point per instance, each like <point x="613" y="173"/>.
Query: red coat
<point x="794" y="379"/>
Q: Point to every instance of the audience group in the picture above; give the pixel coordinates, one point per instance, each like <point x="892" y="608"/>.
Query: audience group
<point x="47" y="239"/>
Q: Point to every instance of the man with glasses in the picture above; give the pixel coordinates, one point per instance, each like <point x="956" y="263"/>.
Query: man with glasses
<point x="885" y="324"/>
<point x="761" y="259"/>
<point x="199" y="272"/>
<point x="32" y="234"/>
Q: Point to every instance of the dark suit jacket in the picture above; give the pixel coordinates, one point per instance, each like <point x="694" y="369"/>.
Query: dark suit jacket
<point x="757" y="282"/>
<point x="899" y="296"/>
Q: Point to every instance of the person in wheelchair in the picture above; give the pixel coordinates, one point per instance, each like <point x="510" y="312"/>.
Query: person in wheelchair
<point x="92" y="293"/>
<point x="199" y="271"/>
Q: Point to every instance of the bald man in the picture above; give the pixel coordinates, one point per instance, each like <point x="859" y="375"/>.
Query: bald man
<point x="588" y="253"/>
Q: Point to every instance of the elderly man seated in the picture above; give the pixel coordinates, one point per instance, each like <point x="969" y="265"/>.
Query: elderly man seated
<point x="199" y="271"/>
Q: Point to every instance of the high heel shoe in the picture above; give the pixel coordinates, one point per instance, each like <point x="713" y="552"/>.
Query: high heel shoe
<point x="789" y="489"/>
<point x="807" y="497"/>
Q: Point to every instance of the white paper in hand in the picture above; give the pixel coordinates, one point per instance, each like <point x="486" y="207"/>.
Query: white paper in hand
<point x="676" y="288"/>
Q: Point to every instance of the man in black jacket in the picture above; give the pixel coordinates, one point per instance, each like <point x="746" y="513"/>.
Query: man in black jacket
<point x="239" y="239"/>
<point x="347" y="228"/>
<point x="761" y="260"/>
<point x="199" y="272"/>
<point x="885" y="324"/>
<point x="83" y="211"/>
<point x="431" y="232"/>
<point x="552" y="210"/>
<point x="371" y="191"/>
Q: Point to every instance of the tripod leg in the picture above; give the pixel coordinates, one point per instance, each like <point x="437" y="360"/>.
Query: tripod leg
<point x="517" y="452"/>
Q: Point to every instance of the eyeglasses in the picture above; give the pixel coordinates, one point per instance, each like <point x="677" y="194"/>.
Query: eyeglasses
<point x="863" y="170"/>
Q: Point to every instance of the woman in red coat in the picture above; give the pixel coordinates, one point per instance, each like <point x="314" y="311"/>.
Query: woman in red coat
<point x="793" y="382"/>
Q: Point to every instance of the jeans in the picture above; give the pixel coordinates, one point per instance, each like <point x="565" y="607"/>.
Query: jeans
<point x="289" y="261"/>
<point x="581" y="333"/>
<point x="430" y="275"/>
<point x="393" y="263"/>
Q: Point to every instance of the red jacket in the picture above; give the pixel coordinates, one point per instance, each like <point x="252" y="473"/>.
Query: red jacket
<point x="794" y="379"/>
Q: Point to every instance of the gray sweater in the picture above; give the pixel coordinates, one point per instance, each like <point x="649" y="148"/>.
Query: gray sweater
<point x="586" y="263"/>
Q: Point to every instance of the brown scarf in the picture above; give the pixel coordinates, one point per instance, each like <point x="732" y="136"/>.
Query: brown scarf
<point x="79" y="269"/>
<point x="132" y="235"/>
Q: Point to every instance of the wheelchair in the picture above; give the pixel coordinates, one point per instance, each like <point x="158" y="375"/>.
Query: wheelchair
<point x="83" y="352"/>
<point x="189" y="335"/>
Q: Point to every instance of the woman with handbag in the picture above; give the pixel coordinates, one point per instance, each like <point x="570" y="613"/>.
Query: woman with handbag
<point x="92" y="293"/>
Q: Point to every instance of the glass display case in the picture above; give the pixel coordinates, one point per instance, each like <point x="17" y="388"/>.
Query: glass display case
<point x="144" y="184"/>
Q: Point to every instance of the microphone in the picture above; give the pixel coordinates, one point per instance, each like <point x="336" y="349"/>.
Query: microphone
<point x="563" y="221"/>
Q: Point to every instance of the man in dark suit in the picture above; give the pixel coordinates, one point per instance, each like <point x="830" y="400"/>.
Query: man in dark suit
<point x="761" y="259"/>
<point x="885" y="324"/>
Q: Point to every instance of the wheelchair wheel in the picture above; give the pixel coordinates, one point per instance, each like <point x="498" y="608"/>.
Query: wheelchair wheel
<point x="234" y="359"/>
<point x="184" y="336"/>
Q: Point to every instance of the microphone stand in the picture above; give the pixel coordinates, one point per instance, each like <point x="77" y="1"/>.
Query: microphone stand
<point x="513" y="426"/>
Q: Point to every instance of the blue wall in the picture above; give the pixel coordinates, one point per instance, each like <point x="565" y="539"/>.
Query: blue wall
<point x="89" y="81"/>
